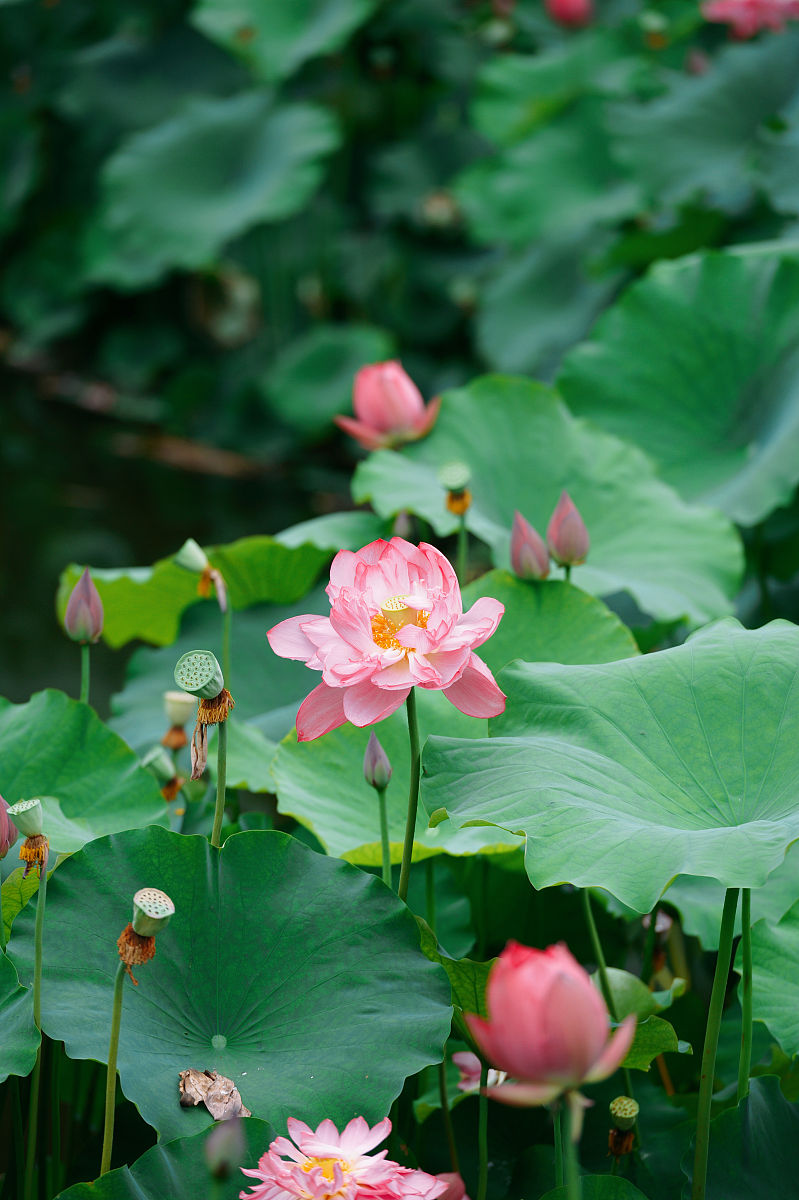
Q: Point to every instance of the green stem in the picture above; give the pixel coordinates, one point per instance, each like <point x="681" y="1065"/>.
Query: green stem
<point x="221" y="775"/>
<point x="33" y="1126"/>
<point x="111" y="1077"/>
<point x="55" y="1115"/>
<point x="19" y="1134"/>
<point x="413" y="796"/>
<point x="463" y="551"/>
<point x="84" y="673"/>
<point x="567" y="572"/>
<point x="571" y="1170"/>
<point x="711" y="1044"/>
<point x="482" y="1135"/>
<point x="384" y="842"/>
<point x="745" y="1065"/>
<point x="558" y="1147"/>
<point x="649" y="947"/>
<point x="450" y="1132"/>
<point x="604" y="982"/>
<point x="614" y="1167"/>
<point x="227" y="625"/>
<point x="33" y="1112"/>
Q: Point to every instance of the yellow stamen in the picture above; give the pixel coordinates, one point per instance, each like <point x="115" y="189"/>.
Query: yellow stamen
<point x="394" y="615"/>
<point x="327" y="1166"/>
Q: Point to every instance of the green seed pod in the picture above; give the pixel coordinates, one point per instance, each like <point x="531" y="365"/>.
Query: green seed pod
<point x="27" y="816"/>
<point x="198" y="672"/>
<point x="623" y="1112"/>
<point x="152" y="910"/>
<point x="159" y="764"/>
<point x="192" y="557"/>
<point x="454" y="476"/>
<point x="180" y="707"/>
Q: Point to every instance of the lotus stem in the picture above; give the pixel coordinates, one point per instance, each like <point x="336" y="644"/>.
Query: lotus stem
<point x="463" y="551"/>
<point x="558" y="1137"/>
<point x="567" y="572"/>
<point x="85" y="673"/>
<point x="482" y="1135"/>
<point x="33" y="1112"/>
<point x="449" y="1131"/>
<point x="745" y="1064"/>
<point x="111" y="1077"/>
<point x="604" y="982"/>
<point x="571" y="1170"/>
<point x="384" y="842"/>
<point x="649" y="947"/>
<point x="221" y="775"/>
<point x="711" y="1044"/>
<point x="227" y="628"/>
<point x="413" y="796"/>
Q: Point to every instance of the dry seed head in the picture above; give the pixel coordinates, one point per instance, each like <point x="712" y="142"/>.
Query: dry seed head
<point x="199" y="672"/>
<point x="152" y="910"/>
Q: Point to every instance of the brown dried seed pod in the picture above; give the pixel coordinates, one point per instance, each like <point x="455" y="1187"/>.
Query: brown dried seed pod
<point x="33" y="853"/>
<point x="171" y="789"/>
<point x="134" y="949"/>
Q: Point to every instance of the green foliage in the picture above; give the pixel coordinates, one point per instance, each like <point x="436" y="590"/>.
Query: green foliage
<point x="20" y="1036"/>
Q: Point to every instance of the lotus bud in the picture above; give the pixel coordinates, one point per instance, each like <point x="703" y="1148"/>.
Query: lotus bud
<point x="180" y="707"/>
<point x="192" y="557"/>
<point x="376" y="767"/>
<point x="8" y="830"/>
<point x="27" y="816"/>
<point x="455" y="477"/>
<point x="83" y="619"/>
<point x="624" y="1112"/>
<point x="224" y="1148"/>
<point x="456" y="1188"/>
<point x="571" y="13"/>
<point x="152" y="911"/>
<point x="567" y="536"/>
<point x="529" y="556"/>
<point x="199" y="673"/>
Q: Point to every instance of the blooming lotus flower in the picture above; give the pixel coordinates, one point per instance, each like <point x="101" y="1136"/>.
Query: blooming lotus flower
<point x="547" y="1026"/>
<point x="8" y="830"/>
<point x="389" y="408"/>
<point x="83" y="619"/>
<point x="328" y="1165"/>
<point x="748" y="17"/>
<point x="567" y="536"/>
<point x="572" y="13"/>
<point x="396" y="621"/>
<point x="529" y="556"/>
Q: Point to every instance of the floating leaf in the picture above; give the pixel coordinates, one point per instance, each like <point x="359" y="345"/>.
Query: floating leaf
<point x="336" y="531"/>
<point x="21" y="1038"/>
<point x="677" y="762"/>
<point x="317" y="970"/>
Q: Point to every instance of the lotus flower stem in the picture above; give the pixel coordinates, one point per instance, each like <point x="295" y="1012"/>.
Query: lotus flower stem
<point x="450" y="1132"/>
<point x="649" y="947"/>
<point x="567" y="572"/>
<point x="85" y="673"/>
<point x="33" y="1112"/>
<point x="602" y="969"/>
<point x="221" y="774"/>
<point x="711" y="1044"/>
<point x="558" y="1138"/>
<point x="227" y="621"/>
<point x="571" y="1171"/>
<point x="18" y="1132"/>
<point x="463" y="550"/>
<point x="384" y="842"/>
<point x="413" y="795"/>
<point x="111" y="1077"/>
<point x="482" y="1135"/>
<point x="745" y="1064"/>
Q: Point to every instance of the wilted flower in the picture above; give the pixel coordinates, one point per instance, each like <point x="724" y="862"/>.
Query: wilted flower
<point x="547" y="1027"/>
<point x="376" y="767"/>
<point x="389" y="408"/>
<point x="567" y="536"/>
<point x="748" y="17"/>
<point x="529" y="556"/>
<point x="83" y="619"/>
<point x="396" y="620"/>
<point x="572" y="13"/>
<point x="8" y="830"/>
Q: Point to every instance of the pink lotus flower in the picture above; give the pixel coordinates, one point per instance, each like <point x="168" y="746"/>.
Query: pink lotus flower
<point x="389" y="408"/>
<point x="547" y="1026"/>
<point x="456" y="1188"/>
<point x="328" y="1165"/>
<point x="572" y="13"/>
<point x="469" y="1066"/>
<point x="567" y="536"/>
<point x="8" y="830"/>
<point x="83" y="619"/>
<point x="529" y="556"/>
<point x="748" y="17"/>
<point x="396" y="621"/>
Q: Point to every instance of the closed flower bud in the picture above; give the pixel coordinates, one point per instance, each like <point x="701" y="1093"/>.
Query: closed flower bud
<point x="199" y="673"/>
<point x="8" y="830"/>
<point x="567" y="536"/>
<point x="389" y="408"/>
<point x="456" y="1188"/>
<point x="571" y="13"/>
<point x="27" y="816"/>
<point x="376" y="767"/>
<point x="224" y="1148"/>
<point x="529" y="556"/>
<point x="152" y="911"/>
<point x="192" y="557"/>
<point x="83" y="619"/>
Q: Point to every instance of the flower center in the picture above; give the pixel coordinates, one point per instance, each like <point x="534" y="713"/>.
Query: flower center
<point x="326" y="1166"/>
<point x="394" y="614"/>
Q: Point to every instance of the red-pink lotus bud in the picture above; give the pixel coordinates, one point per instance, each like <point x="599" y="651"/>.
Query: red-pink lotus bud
<point x="389" y="408"/>
<point x="529" y="556"/>
<point x="572" y="13"/>
<point x="83" y="619"/>
<point x="8" y="830"/>
<point x="376" y="767"/>
<point x="567" y="536"/>
<point x="456" y="1188"/>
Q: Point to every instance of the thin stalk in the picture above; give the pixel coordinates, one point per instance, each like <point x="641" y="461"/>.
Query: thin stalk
<point x="227" y="626"/>
<point x="33" y="1126"/>
<point x="384" y="842"/>
<point x="450" y="1132"/>
<point x="36" y="1078"/>
<point x="19" y="1133"/>
<point x="649" y="947"/>
<point x="111" y="1077"/>
<point x="745" y="1064"/>
<point x="604" y="982"/>
<point x="482" y="1136"/>
<point x="567" y="572"/>
<point x="463" y="551"/>
<point x="413" y="796"/>
<point x="84" y="673"/>
<point x="711" y="1044"/>
<point x="221" y="775"/>
<point x="558" y="1147"/>
<point x="55" y="1116"/>
<point x="571" y="1170"/>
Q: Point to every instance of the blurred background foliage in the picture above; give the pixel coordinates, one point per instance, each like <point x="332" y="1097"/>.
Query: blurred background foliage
<point x="214" y="212"/>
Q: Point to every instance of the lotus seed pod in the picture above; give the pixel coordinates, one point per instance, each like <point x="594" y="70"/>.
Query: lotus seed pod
<point x="454" y="476"/>
<point x="27" y="816"/>
<point x="152" y="910"/>
<point x="159" y="764"/>
<point x="623" y="1112"/>
<point x="192" y="557"/>
<point x="198" y="672"/>
<point x="180" y="707"/>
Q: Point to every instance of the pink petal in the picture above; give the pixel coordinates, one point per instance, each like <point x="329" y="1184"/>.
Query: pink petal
<point x="320" y="711"/>
<point x="428" y="421"/>
<point x="364" y="704"/>
<point x="365" y="435"/>
<point x="476" y="625"/>
<point x="385" y="397"/>
<point x="523" y="1095"/>
<point x="614" y="1053"/>
<point x="476" y="692"/>
<point x="288" y="640"/>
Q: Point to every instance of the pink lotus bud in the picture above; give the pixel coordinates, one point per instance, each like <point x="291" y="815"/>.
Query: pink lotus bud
<point x="376" y="767"/>
<point x="8" y="830"/>
<point x="547" y="1026"/>
<point x="456" y="1188"/>
<point x="529" y="556"/>
<point x="572" y="13"/>
<point x="567" y="536"/>
<point x="389" y="408"/>
<point x="224" y="1148"/>
<point x="83" y="619"/>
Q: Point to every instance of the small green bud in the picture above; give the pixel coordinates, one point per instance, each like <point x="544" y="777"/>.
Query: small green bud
<point x="192" y="557"/>
<point x="27" y="816"/>
<point x="152" y="910"/>
<point x="199" y="673"/>
<point x="623" y="1112"/>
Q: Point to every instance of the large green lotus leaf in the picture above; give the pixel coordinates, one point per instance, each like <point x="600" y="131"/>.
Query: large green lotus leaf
<point x="700" y="138"/>
<point x="775" y="970"/>
<point x="177" y="1169"/>
<point x="222" y="165"/>
<point x="312" y="378"/>
<point x="89" y="780"/>
<point x="561" y="179"/>
<point x="288" y="972"/>
<point x="728" y="324"/>
<point x="276" y="38"/>
<point x="336" y="531"/>
<point x="147" y="602"/>
<point x="624" y="775"/>
<point x="17" y="890"/>
<point x="21" y="1038"/>
<point x="779" y="159"/>
<point x="523" y="447"/>
<point x="600" y="1187"/>
<point x="752" y="1148"/>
